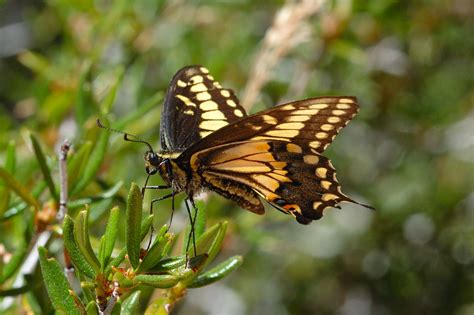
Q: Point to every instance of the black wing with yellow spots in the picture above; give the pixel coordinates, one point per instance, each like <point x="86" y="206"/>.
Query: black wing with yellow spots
<point x="195" y="106"/>
<point x="276" y="155"/>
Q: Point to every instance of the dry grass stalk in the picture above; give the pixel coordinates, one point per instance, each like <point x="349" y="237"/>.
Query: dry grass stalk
<point x="290" y="28"/>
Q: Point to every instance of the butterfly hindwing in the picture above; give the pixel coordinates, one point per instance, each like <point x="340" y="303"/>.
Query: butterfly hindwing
<point x="290" y="177"/>
<point x="195" y="106"/>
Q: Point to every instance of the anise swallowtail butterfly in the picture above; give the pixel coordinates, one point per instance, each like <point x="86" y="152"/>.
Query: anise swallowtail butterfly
<point x="209" y="142"/>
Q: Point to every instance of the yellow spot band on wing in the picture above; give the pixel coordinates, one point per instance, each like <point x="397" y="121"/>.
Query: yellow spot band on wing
<point x="283" y="133"/>
<point x="293" y="148"/>
<point x="186" y="100"/>
<point x="290" y="126"/>
<point x="203" y="96"/>
<point x="310" y="159"/>
<point x="212" y="124"/>
<point x="200" y="87"/>
<point x="242" y="166"/>
<point x="214" y="114"/>
<point x="208" y="105"/>
<point x="321" y="172"/>
<point x="266" y="181"/>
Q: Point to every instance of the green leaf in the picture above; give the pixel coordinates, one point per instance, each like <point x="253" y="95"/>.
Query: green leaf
<point x="93" y="163"/>
<point x="209" y="243"/>
<point x="14" y="263"/>
<point x="10" y="163"/>
<point x="84" y="97"/>
<point x="134" y="218"/>
<point x="10" y="157"/>
<point x="108" y="240"/>
<point x="81" y="235"/>
<point x="131" y="305"/>
<point x="36" y="62"/>
<point x="44" y="166"/>
<point x="74" y="251"/>
<point x="56" y="284"/>
<point x="121" y="256"/>
<point x="92" y="309"/>
<point x="19" y="207"/>
<point x="156" y="281"/>
<point x="158" y="307"/>
<point x="19" y="189"/>
<point x="77" y="163"/>
<point x="217" y="273"/>
<point x="157" y="251"/>
<point x="29" y="285"/>
<point x="109" y="99"/>
<point x="170" y="264"/>
<point x="200" y="225"/>
<point x="150" y="104"/>
<point x="108" y="194"/>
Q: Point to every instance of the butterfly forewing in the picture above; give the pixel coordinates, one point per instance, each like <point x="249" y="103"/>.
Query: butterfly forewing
<point x="195" y="106"/>
<point x="311" y="122"/>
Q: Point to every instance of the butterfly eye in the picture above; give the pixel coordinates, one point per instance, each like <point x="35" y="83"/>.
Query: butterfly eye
<point x="152" y="158"/>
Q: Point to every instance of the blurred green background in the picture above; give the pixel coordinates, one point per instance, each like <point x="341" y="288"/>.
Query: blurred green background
<point x="409" y="152"/>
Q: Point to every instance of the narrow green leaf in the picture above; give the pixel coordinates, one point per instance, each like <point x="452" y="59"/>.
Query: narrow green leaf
<point x="94" y="162"/>
<point x="92" y="309"/>
<point x="117" y="308"/>
<point x="131" y="305"/>
<point x="56" y="284"/>
<point x="19" y="207"/>
<point x="109" y="237"/>
<point x="10" y="157"/>
<point x="84" y="96"/>
<point x="44" y="166"/>
<point x="18" y="188"/>
<point x="170" y="264"/>
<point x="15" y="262"/>
<point x="207" y="239"/>
<point x="209" y="243"/>
<point x="36" y="62"/>
<point x="200" y="225"/>
<point x="81" y="235"/>
<point x="77" y="163"/>
<point x="149" y="104"/>
<point x="108" y="194"/>
<point x="156" y="252"/>
<point x="156" y="281"/>
<point x="10" y="163"/>
<point x="74" y="251"/>
<point x="16" y="291"/>
<point x="109" y="99"/>
<point x="122" y="280"/>
<point x="158" y="307"/>
<point x="134" y="218"/>
<point x="145" y="227"/>
<point x="217" y="273"/>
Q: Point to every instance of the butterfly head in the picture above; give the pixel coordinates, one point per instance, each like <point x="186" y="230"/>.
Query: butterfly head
<point x="152" y="162"/>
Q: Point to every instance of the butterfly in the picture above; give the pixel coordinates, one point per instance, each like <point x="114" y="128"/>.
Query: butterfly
<point x="208" y="142"/>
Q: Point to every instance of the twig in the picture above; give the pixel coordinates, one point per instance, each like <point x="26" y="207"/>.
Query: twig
<point x="63" y="198"/>
<point x="113" y="300"/>
<point x="63" y="189"/>
<point x="288" y="30"/>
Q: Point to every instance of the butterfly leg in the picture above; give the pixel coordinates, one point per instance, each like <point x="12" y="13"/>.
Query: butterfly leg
<point x="191" y="235"/>
<point x="152" y="229"/>
<point x="157" y="187"/>
<point x="194" y="222"/>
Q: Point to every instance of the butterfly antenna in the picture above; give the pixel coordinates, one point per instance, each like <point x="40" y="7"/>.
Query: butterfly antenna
<point x="126" y="136"/>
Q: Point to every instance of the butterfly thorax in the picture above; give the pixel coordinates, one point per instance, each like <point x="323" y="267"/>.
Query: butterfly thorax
<point x="179" y="178"/>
